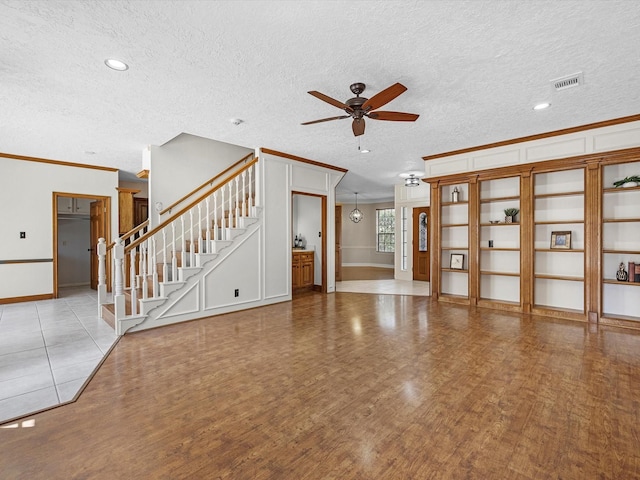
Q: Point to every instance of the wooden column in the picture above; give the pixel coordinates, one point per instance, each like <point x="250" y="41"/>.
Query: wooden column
<point x="436" y="240"/>
<point x="593" y="239"/>
<point x="527" y="235"/>
<point x="474" y="240"/>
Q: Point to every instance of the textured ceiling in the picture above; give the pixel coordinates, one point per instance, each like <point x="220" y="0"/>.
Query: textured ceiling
<point x="473" y="71"/>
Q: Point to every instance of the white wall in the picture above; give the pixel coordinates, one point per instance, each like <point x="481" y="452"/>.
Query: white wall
<point x="307" y="220"/>
<point x="604" y="139"/>
<point x="184" y="163"/>
<point x="26" y="193"/>
<point x="282" y="176"/>
<point x="359" y="239"/>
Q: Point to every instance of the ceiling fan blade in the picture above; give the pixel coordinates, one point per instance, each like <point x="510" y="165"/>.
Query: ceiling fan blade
<point x="394" y="116"/>
<point x="358" y="126"/>
<point x="332" y="101"/>
<point x="326" y="119"/>
<point x="383" y="97"/>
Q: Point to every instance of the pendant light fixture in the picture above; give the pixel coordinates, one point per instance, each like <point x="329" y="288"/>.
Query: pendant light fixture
<point x="356" y="215"/>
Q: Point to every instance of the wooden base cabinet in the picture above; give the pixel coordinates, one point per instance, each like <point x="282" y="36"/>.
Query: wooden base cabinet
<point x="559" y="256"/>
<point x="302" y="269"/>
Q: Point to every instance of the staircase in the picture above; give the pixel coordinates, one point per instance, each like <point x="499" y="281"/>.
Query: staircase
<point x="164" y="274"/>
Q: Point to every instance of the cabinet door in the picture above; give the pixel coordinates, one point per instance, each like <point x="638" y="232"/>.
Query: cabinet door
<point x="295" y="274"/>
<point x="65" y="205"/>
<point x="82" y="205"/>
<point x="306" y="273"/>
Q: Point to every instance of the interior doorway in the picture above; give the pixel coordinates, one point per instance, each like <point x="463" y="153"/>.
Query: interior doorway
<point x="79" y="221"/>
<point x="421" y="256"/>
<point x="309" y="221"/>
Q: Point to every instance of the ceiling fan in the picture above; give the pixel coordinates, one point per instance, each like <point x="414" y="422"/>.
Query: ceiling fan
<point x="359" y="107"/>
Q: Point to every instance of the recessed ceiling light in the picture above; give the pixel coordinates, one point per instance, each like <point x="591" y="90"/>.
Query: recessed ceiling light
<point x="89" y="152"/>
<point x="364" y="150"/>
<point x="236" y="121"/>
<point x="116" y="64"/>
<point x="542" y="106"/>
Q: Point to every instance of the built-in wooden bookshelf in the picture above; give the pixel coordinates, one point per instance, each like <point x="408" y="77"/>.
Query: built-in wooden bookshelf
<point x="620" y="243"/>
<point x="558" y="273"/>
<point x="499" y="242"/>
<point x="522" y="270"/>
<point x="454" y="240"/>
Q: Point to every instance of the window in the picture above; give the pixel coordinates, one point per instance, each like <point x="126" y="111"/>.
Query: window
<point x="386" y="230"/>
<point x="403" y="264"/>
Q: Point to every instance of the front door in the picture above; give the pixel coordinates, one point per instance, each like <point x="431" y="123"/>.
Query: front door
<point x="421" y="258"/>
<point x="97" y="227"/>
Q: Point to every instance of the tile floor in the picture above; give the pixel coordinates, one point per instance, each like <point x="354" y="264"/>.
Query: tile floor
<point x="48" y="349"/>
<point x="389" y="287"/>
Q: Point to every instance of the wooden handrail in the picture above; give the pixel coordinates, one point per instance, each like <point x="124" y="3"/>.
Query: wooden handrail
<point x="208" y="182"/>
<point x="159" y="227"/>
<point x="133" y="231"/>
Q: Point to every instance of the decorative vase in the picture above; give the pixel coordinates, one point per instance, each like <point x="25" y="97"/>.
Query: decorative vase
<point x="629" y="184"/>
<point x="508" y="219"/>
<point x="621" y="274"/>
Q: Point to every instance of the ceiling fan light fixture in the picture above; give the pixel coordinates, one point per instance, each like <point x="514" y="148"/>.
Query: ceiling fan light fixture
<point x="356" y="215"/>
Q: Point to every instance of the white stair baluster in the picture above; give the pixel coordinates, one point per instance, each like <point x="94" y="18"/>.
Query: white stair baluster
<point x="244" y="194"/>
<point x="174" y="260"/>
<point x="200" y="232"/>
<point x="251" y="191"/>
<point x="154" y="269"/>
<point x="165" y="268"/>
<point x="230" y="222"/>
<point x="222" y="215"/>
<point x="183" y="255"/>
<point x="208" y="223"/>
<point x="237" y="201"/>
<point x="143" y="267"/>
<point x="215" y="215"/>
<point x="133" y="281"/>
<point x="192" y="245"/>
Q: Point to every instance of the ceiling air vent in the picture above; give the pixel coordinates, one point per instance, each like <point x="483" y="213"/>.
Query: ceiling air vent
<point x="569" y="81"/>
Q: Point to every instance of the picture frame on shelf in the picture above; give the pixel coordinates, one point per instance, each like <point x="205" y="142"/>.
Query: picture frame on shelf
<point x="457" y="261"/>
<point x="561" y="240"/>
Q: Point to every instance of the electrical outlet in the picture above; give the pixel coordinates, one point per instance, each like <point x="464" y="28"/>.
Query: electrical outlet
<point x="23" y="234"/>
<point x="236" y="293"/>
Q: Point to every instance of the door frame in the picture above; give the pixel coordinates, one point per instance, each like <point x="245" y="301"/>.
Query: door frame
<point x="323" y="226"/>
<point x="107" y="230"/>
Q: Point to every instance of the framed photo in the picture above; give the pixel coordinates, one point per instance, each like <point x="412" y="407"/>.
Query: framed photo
<point x="561" y="240"/>
<point x="457" y="261"/>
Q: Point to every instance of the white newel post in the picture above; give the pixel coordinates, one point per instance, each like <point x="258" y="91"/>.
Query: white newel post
<point x="102" y="277"/>
<point x="118" y="295"/>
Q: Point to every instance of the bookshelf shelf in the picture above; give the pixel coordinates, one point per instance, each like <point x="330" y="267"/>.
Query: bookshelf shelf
<point x="613" y="281"/>
<point x="500" y="199"/>
<point x="560" y="194"/>
<point x="505" y="274"/>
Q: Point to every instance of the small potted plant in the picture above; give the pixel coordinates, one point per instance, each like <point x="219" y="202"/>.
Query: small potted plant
<point x="510" y="214"/>
<point x="626" y="182"/>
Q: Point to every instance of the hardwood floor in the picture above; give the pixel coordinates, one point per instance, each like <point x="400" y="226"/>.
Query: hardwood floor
<point x="349" y="386"/>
